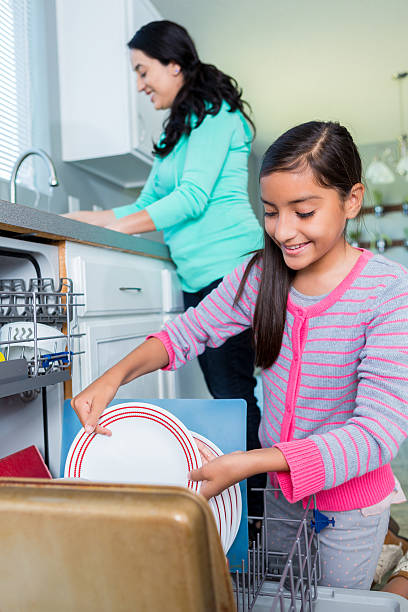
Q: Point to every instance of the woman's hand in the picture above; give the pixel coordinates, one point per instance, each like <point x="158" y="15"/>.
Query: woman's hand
<point x="136" y="223"/>
<point x="94" y="217"/>
<point x="227" y="470"/>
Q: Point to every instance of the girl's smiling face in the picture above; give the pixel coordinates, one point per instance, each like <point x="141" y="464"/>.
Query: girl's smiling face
<point x="160" y="82"/>
<point x="306" y="220"/>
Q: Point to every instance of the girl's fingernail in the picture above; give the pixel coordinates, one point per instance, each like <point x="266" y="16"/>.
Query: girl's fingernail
<point x="88" y="428"/>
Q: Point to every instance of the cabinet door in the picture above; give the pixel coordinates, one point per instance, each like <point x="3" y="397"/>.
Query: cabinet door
<point x="93" y="77"/>
<point x="186" y="382"/>
<point x="101" y="113"/>
<point x="105" y="343"/>
<point x="123" y="286"/>
<point x="117" y="283"/>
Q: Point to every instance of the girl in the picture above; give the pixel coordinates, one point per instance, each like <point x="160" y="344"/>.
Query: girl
<point x="331" y="330"/>
<point x="197" y="192"/>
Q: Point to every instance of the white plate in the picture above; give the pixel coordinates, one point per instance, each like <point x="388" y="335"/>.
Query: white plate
<point x="236" y="496"/>
<point x="228" y="499"/>
<point x="148" y="445"/>
<point x="219" y="515"/>
<point x="228" y="493"/>
<point x="238" y="504"/>
<point x="23" y="332"/>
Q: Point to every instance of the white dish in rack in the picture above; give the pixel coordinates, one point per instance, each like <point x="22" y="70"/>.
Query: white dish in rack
<point x="227" y="506"/>
<point x="21" y="334"/>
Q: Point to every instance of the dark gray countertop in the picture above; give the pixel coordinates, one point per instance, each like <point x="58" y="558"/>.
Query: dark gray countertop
<point x="21" y="221"/>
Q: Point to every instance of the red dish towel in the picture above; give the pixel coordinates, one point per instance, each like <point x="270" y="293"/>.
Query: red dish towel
<point x="26" y="463"/>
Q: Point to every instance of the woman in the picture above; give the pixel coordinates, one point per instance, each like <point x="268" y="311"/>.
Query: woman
<point x="197" y="193"/>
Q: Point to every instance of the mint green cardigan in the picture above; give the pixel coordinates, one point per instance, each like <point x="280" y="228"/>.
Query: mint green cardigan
<point x="198" y="196"/>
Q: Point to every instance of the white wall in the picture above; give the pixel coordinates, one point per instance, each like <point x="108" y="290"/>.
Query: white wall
<point x="306" y="59"/>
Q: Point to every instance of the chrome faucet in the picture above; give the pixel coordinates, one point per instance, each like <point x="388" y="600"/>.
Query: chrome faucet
<point x="53" y="181"/>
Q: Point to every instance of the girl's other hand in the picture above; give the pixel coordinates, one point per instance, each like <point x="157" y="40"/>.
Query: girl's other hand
<point x="227" y="470"/>
<point x="220" y="473"/>
<point x="91" y="402"/>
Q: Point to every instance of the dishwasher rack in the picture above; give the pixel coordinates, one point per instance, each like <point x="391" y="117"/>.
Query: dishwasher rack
<point x="22" y="312"/>
<point x="293" y="574"/>
<point x="287" y="581"/>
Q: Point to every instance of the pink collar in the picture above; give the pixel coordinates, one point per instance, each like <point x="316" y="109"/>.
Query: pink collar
<point x="329" y="300"/>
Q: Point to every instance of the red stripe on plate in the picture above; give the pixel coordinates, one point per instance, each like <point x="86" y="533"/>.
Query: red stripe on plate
<point x="108" y="420"/>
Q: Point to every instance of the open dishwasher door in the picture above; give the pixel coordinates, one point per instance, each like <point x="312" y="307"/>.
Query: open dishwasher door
<point x="35" y="318"/>
<point x="107" y="547"/>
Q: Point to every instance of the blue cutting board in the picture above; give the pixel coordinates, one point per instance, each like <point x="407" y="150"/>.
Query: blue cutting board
<point x="222" y="421"/>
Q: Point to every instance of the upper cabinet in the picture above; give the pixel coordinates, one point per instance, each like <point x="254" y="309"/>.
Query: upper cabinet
<point x="107" y="126"/>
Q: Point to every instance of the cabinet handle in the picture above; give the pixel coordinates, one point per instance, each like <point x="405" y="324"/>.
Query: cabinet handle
<point x="138" y="289"/>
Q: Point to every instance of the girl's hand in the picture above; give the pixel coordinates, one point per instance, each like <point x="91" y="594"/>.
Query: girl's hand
<point x="227" y="470"/>
<point x="91" y="402"/>
<point x="221" y="473"/>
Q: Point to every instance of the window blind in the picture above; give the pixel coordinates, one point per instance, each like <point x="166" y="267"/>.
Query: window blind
<point x="15" y="105"/>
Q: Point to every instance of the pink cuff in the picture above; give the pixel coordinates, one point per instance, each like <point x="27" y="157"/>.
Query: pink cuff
<point x="164" y="337"/>
<point x="307" y="474"/>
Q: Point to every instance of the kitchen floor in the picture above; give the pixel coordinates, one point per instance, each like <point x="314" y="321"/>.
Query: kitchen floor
<point x="400" y="467"/>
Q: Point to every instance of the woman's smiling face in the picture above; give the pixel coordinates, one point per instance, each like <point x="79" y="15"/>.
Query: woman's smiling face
<point x="161" y="82"/>
<point x="304" y="219"/>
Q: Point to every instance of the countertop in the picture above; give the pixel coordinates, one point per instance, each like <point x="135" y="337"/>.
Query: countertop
<point x="20" y="221"/>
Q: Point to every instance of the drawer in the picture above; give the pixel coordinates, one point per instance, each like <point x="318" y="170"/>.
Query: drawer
<point x="118" y="287"/>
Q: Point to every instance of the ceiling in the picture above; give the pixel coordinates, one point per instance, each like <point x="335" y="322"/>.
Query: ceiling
<point x="299" y="60"/>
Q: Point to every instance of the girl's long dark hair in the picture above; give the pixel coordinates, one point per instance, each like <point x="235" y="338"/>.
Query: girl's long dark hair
<point x="328" y="149"/>
<point x="204" y="89"/>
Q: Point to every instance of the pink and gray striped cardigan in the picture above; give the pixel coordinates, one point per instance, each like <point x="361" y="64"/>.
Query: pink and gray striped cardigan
<point x="335" y="400"/>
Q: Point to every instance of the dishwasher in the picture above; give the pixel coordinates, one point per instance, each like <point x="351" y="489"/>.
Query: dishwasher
<point x="31" y="400"/>
<point x="37" y="312"/>
<point x="287" y="581"/>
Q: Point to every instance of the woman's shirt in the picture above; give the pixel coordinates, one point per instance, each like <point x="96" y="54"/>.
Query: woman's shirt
<point x="335" y="400"/>
<point x="198" y="196"/>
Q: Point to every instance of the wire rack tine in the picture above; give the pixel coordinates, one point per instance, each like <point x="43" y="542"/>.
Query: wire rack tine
<point x="290" y="577"/>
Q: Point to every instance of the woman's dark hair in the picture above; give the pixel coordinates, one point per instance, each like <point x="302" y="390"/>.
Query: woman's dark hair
<point x="204" y="89"/>
<point x="329" y="151"/>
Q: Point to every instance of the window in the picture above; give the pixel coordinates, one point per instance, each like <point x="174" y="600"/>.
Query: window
<point x="15" y="104"/>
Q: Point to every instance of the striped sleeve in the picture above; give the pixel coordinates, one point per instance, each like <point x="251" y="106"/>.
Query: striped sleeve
<point x="213" y="321"/>
<point x="378" y="425"/>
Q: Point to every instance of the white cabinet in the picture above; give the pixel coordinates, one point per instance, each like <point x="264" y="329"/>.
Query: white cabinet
<point x="117" y="283"/>
<point x="123" y="303"/>
<point x="106" y="124"/>
<point x="108" y="341"/>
